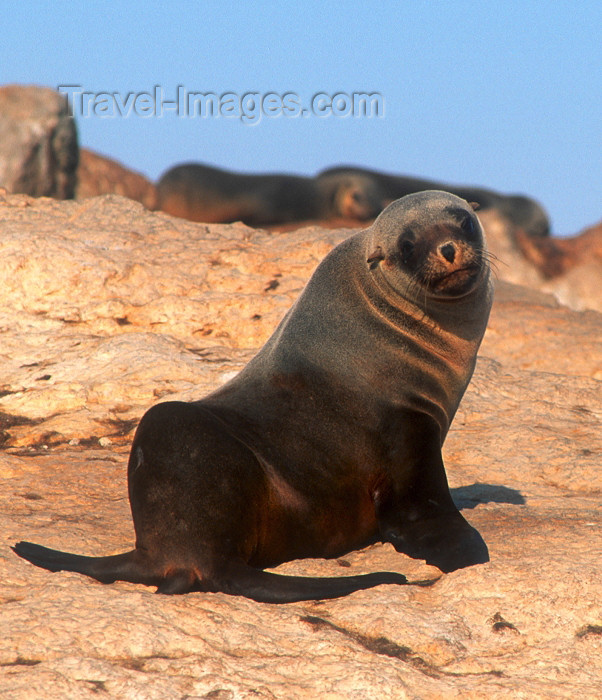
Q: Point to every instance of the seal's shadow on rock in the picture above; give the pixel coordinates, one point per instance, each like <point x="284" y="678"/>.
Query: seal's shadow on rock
<point x="467" y="497"/>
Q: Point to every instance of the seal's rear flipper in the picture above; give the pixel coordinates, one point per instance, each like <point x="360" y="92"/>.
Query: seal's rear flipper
<point x="237" y="579"/>
<point x="267" y="587"/>
<point x="130" y="566"/>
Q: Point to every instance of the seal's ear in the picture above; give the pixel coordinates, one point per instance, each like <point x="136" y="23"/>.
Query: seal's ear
<point x="375" y="257"/>
<point x="474" y="205"/>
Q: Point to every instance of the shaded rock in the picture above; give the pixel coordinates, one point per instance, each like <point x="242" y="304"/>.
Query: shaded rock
<point x="38" y="142"/>
<point x="557" y="256"/>
<point x="98" y="175"/>
<point x="568" y="268"/>
<point x="107" y="309"/>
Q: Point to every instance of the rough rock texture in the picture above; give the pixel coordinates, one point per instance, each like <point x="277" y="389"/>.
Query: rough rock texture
<point x="98" y="175"/>
<point x="38" y="142"/>
<point x="108" y="308"/>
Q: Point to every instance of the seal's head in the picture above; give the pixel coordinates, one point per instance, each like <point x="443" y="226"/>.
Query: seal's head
<point x="351" y="195"/>
<point x="429" y="241"/>
<point x="358" y="197"/>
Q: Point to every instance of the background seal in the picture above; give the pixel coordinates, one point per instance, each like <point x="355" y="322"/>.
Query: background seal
<point x="212" y="195"/>
<point x="522" y="212"/>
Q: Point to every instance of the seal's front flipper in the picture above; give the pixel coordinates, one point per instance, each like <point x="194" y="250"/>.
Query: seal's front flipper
<point x="413" y="505"/>
<point x="447" y="542"/>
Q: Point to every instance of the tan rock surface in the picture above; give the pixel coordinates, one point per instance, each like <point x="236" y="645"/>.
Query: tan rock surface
<point x="106" y="309"/>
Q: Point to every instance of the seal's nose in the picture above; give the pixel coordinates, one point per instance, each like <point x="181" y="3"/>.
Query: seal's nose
<point x="448" y="251"/>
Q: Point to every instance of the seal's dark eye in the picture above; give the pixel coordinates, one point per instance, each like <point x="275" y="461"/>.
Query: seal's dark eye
<point x="407" y="248"/>
<point x="468" y="227"/>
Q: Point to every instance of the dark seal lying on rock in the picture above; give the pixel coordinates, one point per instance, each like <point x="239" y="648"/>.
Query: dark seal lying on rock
<point x="331" y="437"/>
<point x="203" y="193"/>
<point x="523" y="212"/>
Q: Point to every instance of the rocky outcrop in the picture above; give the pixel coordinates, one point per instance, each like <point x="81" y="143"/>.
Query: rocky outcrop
<point x="38" y="142"/>
<point x="554" y="257"/>
<point x="108" y="308"/>
<point x="568" y="268"/>
<point x="98" y="175"/>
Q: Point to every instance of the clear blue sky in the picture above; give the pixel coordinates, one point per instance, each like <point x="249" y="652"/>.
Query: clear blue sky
<point x="502" y="94"/>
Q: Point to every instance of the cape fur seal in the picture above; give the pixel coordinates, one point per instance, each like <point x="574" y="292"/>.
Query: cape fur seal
<point x="330" y="438"/>
<point x="202" y="193"/>
<point x="523" y="212"/>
